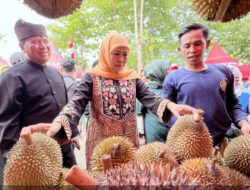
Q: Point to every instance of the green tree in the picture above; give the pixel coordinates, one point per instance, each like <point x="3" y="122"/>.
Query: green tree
<point x="162" y="20"/>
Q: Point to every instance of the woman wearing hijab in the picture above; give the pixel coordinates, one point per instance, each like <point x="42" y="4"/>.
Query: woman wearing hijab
<point x="112" y="89"/>
<point x="154" y="128"/>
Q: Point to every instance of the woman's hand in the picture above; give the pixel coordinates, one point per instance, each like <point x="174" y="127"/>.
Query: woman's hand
<point x="179" y="109"/>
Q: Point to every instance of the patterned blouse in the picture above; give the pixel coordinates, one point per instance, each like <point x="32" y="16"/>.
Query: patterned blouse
<point x="112" y="108"/>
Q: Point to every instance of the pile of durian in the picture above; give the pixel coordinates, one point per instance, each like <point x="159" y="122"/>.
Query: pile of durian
<point x="186" y="161"/>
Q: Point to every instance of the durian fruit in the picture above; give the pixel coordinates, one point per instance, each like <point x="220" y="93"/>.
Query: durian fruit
<point x="238" y="180"/>
<point x="237" y="154"/>
<point x="63" y="184"/>
<point x="145" y="176"/>
<point x="207" y="172"/>
<point x="221" y="10"/>
<point x="52" y="8"/>
<point x="156" y="152"/>
<point x="121" y="150"/>
<point x="206" y="8"/>
<point x="189" y="138"/>
<point x="35" y="160"/>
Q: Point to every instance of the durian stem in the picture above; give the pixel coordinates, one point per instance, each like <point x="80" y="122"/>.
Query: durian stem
<point x="116" y="149"/>
<point x="162" y="153"/>
<point x="27" y="137"/>
<point x="211" y="167"/>
<point x="222" y="10"/>
<point x="106" y="161"/>
<point x="198" y="115"/>
<point x="216" y="150"/>
<point x="223" y="146"/>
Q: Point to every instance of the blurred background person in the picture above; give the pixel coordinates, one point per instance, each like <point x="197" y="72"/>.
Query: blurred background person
<point x="149" y="125"/>
<point x="243" y="97"/>
<point x="69" y="75"/>
<point x="241" y="92"/>
<point x="17" y="57"/>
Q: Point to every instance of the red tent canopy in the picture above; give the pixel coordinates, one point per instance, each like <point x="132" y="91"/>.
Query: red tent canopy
<point x="3" y="62"/>
<point x="55" y="57"/>
<point x="245" y="71"/>
<point x="218" y="56"/>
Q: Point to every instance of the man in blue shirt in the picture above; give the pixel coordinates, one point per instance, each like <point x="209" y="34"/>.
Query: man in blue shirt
<point x="207" y="87"/>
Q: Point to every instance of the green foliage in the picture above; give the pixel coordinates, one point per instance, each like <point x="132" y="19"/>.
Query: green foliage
<point x="162" y="20"/>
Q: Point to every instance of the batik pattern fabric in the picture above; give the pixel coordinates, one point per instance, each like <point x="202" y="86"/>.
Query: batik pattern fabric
<point x="112" y="112"/>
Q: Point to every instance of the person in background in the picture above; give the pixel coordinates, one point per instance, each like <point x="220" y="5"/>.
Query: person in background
<point x="148" y="123"/>
<point x="17" y="57"/>
<point x="244" y="100"/>
<point x="112" y="89"/>
<point x="206" y="87"/>
<point x="69" y="73"/>
<point x="239" y="91"/>
<point x="32" y="92"/>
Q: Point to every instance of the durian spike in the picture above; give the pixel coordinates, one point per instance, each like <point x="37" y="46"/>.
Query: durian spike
<point x="223" y="146"/>
<point x="165" y="171"/>
<point x="27" y="137"/>
<point x="106" y="161"/>
<point x="222" y="9"/>
<point x="198" y="115"/>
<point x="216" y="150"/>
<point x="212" y="168"/>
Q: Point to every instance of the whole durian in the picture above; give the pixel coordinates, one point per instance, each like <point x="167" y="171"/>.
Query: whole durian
<point x="35" y="160"/>
<point x="144" y="176"/>
<point x="156" y="152"/>
<point x="237" y="154"/>
<point x="189" y="138"/>
<point x="207" y="172"/>
<point x="120" y="149"/>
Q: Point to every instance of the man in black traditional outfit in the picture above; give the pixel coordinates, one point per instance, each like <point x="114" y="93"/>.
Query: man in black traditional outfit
<point x="32" y="92"/>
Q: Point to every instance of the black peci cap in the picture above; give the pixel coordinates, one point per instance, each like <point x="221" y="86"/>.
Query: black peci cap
<point x="25" y="29"/>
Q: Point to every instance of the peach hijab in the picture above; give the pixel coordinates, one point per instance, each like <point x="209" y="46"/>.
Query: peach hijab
<point x="104" y="68"/>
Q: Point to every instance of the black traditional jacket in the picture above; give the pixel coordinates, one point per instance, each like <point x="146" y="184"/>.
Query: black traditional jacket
<point x="29" y="94"/>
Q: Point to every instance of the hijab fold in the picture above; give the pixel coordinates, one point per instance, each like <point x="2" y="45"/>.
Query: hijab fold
<point x="104" y="69"/>
<point x="156" y="71"/>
